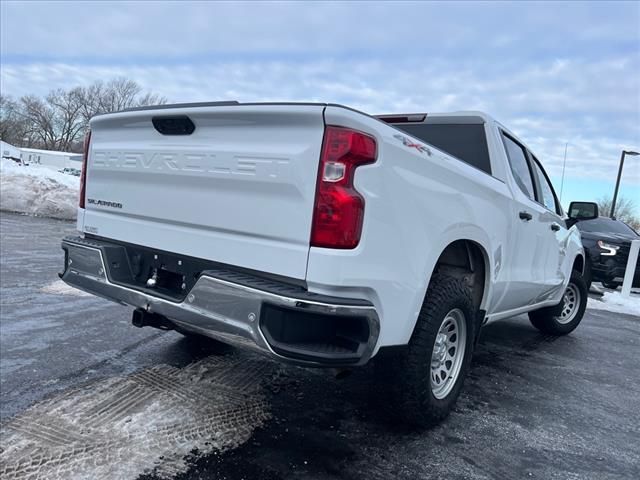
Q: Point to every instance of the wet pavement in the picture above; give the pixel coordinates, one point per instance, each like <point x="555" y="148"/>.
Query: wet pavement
<point x="73" y="371"/>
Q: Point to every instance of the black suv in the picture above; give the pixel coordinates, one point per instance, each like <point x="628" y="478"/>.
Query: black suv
<point x="606" y="245"/>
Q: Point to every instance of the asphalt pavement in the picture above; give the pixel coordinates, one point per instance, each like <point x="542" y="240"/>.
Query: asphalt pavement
<point x="83" y="394"/>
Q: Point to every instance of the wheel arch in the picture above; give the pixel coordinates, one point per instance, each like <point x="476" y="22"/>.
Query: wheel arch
<point x="469" y="259"/>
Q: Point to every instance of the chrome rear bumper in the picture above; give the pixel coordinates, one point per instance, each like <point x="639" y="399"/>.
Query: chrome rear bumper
<point x="220" y="309"/>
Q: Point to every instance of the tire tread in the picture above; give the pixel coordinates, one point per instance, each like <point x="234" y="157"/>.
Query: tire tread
<point x="544" y="319"/>
<point x="410" y="374"/>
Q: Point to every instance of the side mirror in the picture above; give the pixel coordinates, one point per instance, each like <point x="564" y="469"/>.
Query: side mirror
<point x="583" y="210"/>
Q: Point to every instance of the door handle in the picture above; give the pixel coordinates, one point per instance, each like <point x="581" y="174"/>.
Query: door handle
<point x="525" y="216"/>
<point x="555" y="227"/>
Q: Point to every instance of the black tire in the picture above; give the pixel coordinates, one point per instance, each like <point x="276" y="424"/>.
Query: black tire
<point x="548" y="320"/>
<point x="407" y="376"/>
<point x="611" y="285"/>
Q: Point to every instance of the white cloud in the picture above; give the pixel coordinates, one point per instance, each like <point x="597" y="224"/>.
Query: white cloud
<point x="547" y="105"/>
<point x="172" y="29"/>
<point x="569" y="75"/>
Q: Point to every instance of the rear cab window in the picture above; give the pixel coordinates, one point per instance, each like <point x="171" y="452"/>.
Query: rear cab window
<point x="465" y="141"/>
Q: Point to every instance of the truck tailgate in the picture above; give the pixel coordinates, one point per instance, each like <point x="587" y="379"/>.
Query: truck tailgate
<point x="238" y="190"/>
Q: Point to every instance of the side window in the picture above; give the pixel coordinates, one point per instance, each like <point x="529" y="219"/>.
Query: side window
<point x="547" y="195"/>
<point x="519" y="166"/>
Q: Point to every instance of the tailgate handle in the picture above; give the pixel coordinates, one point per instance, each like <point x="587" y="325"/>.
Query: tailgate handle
<point x="174" y="125"/>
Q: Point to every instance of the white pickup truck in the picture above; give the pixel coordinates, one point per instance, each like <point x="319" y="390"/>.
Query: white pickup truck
<point x="324" y="236"/>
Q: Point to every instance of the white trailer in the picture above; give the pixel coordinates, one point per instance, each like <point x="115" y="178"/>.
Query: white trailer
<point x="50" y="159"/>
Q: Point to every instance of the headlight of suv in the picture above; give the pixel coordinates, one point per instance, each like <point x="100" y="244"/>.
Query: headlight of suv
<point x="609" y="250"/>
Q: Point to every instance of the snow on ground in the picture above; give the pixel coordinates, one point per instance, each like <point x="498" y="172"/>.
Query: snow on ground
<point x="615" y="302"/>
<point x="58" y="287"/>
<point x="124" y="426"/>
<point x="38" y="190"/>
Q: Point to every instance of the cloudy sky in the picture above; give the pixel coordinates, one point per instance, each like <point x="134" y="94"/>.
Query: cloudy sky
<point x="555" y="73"/>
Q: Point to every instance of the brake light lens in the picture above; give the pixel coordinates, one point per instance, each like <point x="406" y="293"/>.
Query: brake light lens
<point x="339" y="208"/>
<point x="83" y="174"/>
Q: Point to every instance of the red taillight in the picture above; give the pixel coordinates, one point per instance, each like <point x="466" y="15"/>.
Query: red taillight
<point x="339" y="208"/>
<point x="83" y="175"/>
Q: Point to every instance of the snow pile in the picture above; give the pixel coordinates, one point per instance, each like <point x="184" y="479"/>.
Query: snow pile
<point x="37" y="190"/>
<point x="615" y="302"/>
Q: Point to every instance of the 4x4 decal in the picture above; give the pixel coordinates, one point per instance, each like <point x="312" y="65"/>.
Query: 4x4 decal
<point x="407" y="142"/>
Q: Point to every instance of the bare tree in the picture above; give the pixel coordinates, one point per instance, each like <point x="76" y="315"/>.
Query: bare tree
<point x="150" y="99"/>
<point x="625" y="210"/>
<point x="41" y="121"/>
<point x="13" y="125"/>
<point x="115" y="95"/>
<point x="67" y="118"/>
<point x="59" y="120"/>
<point x="91" y="101"/>
<point x="122" y="94"/>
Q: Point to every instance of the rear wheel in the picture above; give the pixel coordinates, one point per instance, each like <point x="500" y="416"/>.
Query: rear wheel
<point x="565" y="317"/>
<point x="425" y="380"/>
<point x="611" y="285"/>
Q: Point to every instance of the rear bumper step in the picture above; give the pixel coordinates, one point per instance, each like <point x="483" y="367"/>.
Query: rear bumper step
<point x="285" y="322"/>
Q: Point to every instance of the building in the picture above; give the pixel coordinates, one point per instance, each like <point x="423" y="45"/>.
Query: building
<point x="10" y="152"/>
<point x="45" y="158"/>
<point x="50" y="159"/>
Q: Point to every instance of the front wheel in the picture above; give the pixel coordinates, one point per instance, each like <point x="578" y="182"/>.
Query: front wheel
<point x="565" y="317"/>
<point x="426" y="379"/>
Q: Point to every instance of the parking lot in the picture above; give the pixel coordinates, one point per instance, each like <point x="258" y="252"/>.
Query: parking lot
<point x="86" y="395"/>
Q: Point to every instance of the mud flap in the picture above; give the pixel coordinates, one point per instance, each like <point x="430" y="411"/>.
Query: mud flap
<point x="481" y="319"/>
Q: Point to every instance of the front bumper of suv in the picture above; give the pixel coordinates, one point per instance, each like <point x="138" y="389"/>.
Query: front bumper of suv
<point x="612" y="270"/>
<point x="285" y="322"/>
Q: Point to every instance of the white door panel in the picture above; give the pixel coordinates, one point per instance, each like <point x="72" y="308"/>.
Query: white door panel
<point x="527" y="258"/>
